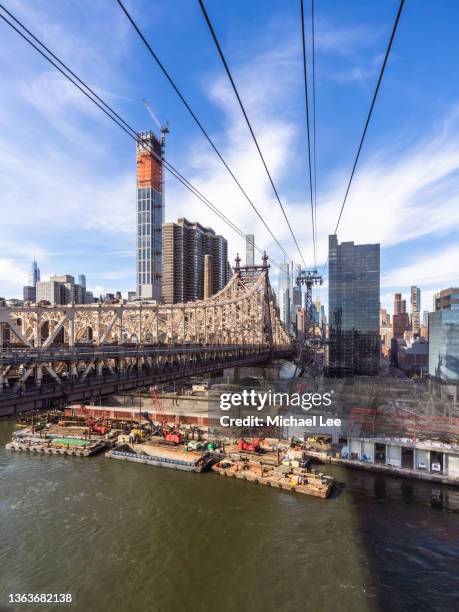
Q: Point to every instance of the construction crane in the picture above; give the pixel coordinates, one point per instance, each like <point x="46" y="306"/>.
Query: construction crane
<point x="170" y="435"/>
<point x="163" y="129"/>
<point x="101" y="426"/>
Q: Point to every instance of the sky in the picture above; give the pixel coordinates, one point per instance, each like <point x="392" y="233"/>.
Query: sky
<point x="67" y="173"/>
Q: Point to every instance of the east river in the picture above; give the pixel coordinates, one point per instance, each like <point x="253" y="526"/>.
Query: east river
<point x="124" y="537"/>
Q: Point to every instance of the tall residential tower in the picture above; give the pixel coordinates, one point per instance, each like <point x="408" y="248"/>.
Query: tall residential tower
<point x="249" y="250"/>
<point x="415" y="299"/>
<point x="186" y="246"/>
<point x="150" y="215"/>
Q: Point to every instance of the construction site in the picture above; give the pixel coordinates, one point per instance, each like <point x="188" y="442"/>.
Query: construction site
<point x="183" y="440"/>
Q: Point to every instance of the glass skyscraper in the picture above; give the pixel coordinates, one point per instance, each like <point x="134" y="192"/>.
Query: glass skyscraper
<point x="284" y="293"/>
<point x="353" y="302"/>
<point x="34" y="274"/>
<point x="150" y="215"/>
<point x="444" y="337"/>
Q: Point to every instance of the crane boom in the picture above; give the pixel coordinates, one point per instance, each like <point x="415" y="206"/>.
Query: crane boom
<point x="164" y="129"/>
<point x="151" y="113"/>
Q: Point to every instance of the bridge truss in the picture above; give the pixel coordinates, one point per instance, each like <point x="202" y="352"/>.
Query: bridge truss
<point x="63" y="348"/>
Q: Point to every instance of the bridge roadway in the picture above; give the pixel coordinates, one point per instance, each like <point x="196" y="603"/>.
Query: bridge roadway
<point x="109" y="369"/>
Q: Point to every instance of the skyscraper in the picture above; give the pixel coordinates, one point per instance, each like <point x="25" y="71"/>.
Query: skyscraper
<point x="400" y="319"/>
<point x="353" y="298"/>
<point x="296" y="295"/>
<point x="250" y="250"/>
<point x="34" y="274"/>
<point x="82" y="280"/>
<point x="444" y="338"/>
<point x="399" y="304"/>
<point x="415" y="300"/>
<point x="284" y="294"/>
<point x="29" y="294"/>
<point x="150" y="215"/>
<point x="185" y="246"/>
<point x="385" y="331"/>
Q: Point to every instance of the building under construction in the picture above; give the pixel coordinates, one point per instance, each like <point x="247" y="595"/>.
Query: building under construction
<point x="150" y="214"/>
<point x="195" y="262"/>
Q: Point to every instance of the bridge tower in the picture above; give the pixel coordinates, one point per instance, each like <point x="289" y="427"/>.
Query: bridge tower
<point x="309" y="278"/>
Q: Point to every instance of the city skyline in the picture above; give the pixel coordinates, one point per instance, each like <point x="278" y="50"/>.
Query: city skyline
<point x="97" y="224"/>
<point x="229" y="305"/>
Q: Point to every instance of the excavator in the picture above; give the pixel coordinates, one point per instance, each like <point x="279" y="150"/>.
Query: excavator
<point x="252" y="447"/>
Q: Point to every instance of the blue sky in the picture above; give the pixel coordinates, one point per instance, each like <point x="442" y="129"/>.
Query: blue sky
<point x="67" y="174"/>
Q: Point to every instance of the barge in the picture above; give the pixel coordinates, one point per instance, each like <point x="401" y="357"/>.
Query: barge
<point x="164" y="457"/>
<point x="291" y="479"/>
<point x="75" y="447"/>
<point x="57" y="441"/>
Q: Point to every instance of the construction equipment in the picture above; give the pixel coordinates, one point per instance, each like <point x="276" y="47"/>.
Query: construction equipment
<point x="154" y="428"/>
<point x="170" y="434"/>
<point x="252" y="447"/>
<point x="99" y="426"/>
<point x="195" y="445"/>
<point x="164" y="129"/>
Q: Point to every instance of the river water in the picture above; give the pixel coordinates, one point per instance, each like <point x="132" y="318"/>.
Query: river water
<point x="125" y="537"/>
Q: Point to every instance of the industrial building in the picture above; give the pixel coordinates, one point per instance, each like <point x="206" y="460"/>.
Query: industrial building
<point x="405" y="455"/>
<point x="187" y="273"/>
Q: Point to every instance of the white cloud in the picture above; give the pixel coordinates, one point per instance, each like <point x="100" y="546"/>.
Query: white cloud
<point x="398" y="197"/>
<point x="337" y="40"/>
<point x="437" y="268"/>
<point x="12" y="275"/>
<point x="404" y="191"/>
